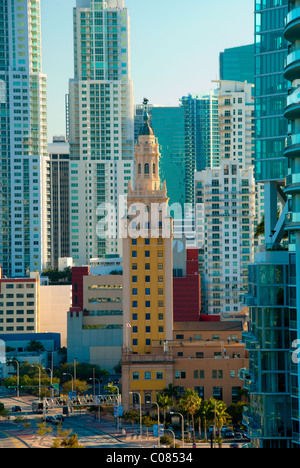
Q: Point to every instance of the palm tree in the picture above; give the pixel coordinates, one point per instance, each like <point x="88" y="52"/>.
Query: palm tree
<point x="219" y="410"/>
<point x="190" y="403"/>
<point x="171" y="391"/>
<point x="164" y="402"/>
<point x="260" y="228"/>
<point x="203" y="415"/>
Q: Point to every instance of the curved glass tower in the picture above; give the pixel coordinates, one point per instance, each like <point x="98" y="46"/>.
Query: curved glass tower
<point x="292" y="152"/>
<point x="268" y="417"/>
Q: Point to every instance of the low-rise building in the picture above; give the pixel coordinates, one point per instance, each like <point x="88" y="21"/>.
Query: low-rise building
<point x="19" y="304"/>
<point x="95" y="320"/>
<point x="203" y="356"/>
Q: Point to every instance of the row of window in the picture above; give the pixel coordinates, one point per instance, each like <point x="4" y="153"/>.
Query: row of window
<point x="147" y="317"/>
<point x="18" y="286"/>
<point x="147" y="329"/>
<point x="160" y="241"/>
<point x="198" y="374"/>
<point x="217" y="394"/>
<point x="160" y="253"/>
<point x="147" y="304"/>
<point x="160" y="278"/>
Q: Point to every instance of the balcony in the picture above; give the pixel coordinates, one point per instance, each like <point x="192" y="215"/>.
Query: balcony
<point x="247" y="377"/>
<point x="292" y="184"/>
<point x="293" y="146"/>
<point x="292" y="110"/>
<point x="292" y="66"/>
<point x="292" y="28"/>
<point x="253" y="424"/>
<point x="292" y="222"/>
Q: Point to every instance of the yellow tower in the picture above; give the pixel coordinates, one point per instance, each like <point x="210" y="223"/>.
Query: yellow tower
<point x="147" y="276"/>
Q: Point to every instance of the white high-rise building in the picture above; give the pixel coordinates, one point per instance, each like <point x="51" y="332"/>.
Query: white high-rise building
<point x="228" y="204"/>
<point x="24" y="164"/>
<point x="101" y="125"/>
<point x="226" y="229"/>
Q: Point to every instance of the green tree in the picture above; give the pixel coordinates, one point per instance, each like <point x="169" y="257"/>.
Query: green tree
<point x="66" y="440"/>
<point x="35" y="346"/>
<point x="111" y="389"/>
<point x="172" y="392"/>
<point x="219" y="411"/>
<point x="164" y="402"/>
<point x="203" y="415"/>
<point x="190" y="403"/>
<point x="148" y="421"/>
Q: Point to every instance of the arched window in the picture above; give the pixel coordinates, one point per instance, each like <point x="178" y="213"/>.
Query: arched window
<point x="154" y="169"/>
<point x="146" y="169"/>
<point x="140" y="169"/>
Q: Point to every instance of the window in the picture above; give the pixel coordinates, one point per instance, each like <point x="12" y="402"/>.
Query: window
<point x="135" y="376"/>
<point x="147" y="375"/>
<point x="146" y="169"/>
<point x="159" y="375"/>
<point x="218" y="393"/>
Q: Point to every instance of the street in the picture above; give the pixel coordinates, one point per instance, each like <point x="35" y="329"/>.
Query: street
<point x="91" y="433"/>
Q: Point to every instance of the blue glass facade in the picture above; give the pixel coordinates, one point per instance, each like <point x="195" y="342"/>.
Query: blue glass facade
<point x="169" y="127"/>
<point x="270" y="89"/>
<point x="237" y="64"/>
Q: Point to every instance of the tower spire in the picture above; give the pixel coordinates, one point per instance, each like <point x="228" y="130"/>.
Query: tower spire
<point x="146" y="129"/>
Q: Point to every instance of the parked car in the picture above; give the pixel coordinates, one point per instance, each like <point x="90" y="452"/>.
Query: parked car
<point x="234" y="446"/>
<point x="51" y="420"/>
<point x="211" y="431"/>
<point x="16" y="409"/>
<point x="59" y="418"/>
<point x="229" y="434"/>
<point x="245" y="437"/>
<point x="238" y="435"/>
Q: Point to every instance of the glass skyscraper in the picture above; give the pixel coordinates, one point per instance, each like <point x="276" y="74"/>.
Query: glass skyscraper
<point x="202" y="140"/>
<point x="292" y="152"/>
<point x="169" y="127"/>
<point x="101" y="125"/>
<point x="24" y="195"/>
<point x="268" y="341"/>
<point x="237" y="64"/>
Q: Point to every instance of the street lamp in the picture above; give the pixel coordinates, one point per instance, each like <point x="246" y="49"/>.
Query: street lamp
<point x="140" y="400"/>
<point x="36" y="365"/>
<point x="155" y="403"/>
<point x="65" y="373"/>
<point x="182" y="426"/>
<point x="170" y="430"/>
<point x="51" y="380"/>
<point x="18" y="376"/>
<point x="99" y="383"/>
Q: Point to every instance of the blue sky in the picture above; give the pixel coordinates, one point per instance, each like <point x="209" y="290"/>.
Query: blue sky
<point x="175" y="46"/>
